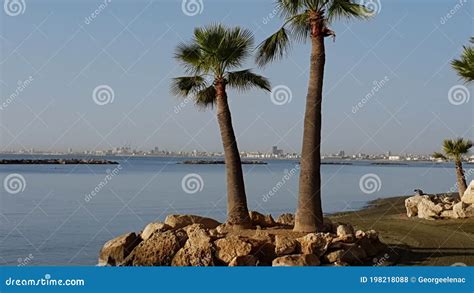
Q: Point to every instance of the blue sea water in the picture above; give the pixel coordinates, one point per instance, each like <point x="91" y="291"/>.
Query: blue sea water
<point x="67" y="212"/>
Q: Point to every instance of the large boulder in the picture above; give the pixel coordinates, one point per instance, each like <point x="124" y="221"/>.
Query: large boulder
<point x="345" y="231"/>
<point x="152" y="228"/>
<point x="286" y="219"/>
<point x="428" y="209"/>
<point x="158" y="250"/>
<point x="243" y="261"/>
<point x="468" y="196"/>
<point x="261" y="220"/>
<point x="116" y="250"/>
<point x="198" y="249"/>
<point x="411" y="205"/>
<point x="352" y="254"/>
<point x="285" y="245"/>
<point x="230" y="247"/>
<point x="463" y="210"/>
<point x="315" y="243"/>
<point x="296" y="260"/>
<point x="180" y="221"/>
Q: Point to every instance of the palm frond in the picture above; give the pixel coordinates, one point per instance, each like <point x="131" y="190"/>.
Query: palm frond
<point x="206" y="97"/>
<point x="300" y="27"/>
<point x="190" y="56"/>
<point x="245" y="79"/>
<point x="235" y="47"/>
<point x="187" y="85"/>
<point x="273" y="48"/>
<point x="338" y="9"/>
<point x="465" y="65"/>
<point x="288" y="8"/>
<point x="456" y="147"/>
<point x="437" y="155"/>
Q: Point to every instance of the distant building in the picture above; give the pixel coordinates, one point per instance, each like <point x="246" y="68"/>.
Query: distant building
<point x="394" y="158"/>
<point x="276" y="152"/>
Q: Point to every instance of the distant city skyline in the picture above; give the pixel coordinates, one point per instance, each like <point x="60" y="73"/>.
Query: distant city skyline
<point x="87" y="76"/>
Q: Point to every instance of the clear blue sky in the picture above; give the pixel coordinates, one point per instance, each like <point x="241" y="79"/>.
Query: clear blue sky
<point x="129" y="47"/>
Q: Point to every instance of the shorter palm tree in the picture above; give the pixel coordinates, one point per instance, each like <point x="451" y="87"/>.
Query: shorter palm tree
<point x="455" y="149"/>
<point x="465" y="65"/>
<point x="210" y="60"/>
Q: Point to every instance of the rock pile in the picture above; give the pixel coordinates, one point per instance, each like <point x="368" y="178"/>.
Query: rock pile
<point x="187" y="240"/>
<point x="433" y="207"/>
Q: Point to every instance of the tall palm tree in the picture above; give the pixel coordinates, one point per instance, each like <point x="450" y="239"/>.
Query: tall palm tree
<point x="454" y="149"/>
<point x="211" y="59"/>
<point x="465" y="65"/>
<point x="309" y="19"/>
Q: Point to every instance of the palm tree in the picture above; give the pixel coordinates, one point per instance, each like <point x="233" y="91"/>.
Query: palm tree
<point x="465" y="65"/>
<point x="309" y="19"/>
<point x="211" y="59"/>
<point x="454" y="149"/>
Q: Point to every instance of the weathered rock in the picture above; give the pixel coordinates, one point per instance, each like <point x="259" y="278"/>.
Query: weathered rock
<point x="244" y="260"/>
<point x="468" y="196"/>
<point x="180" y="221"/>
<point x="296" y="260"/>
<point x="116" y="250"/>
<point x="158" y="250"/>
<point x="230" y="247"/>
<point x="286" y="219"/>
<point x="198" y="250"/>
<point x="459" y="210"/>
<point x="359" y="234"/>
<point x="284" y="245"/>
<point x="353" y="254"/>
<point x="411" y="205"/>
<point x="261" y="220"/>
<point x="152" y="228"/>
<point x="344" y="230"/>
<point x="428" y="209"/>
<point x="315" y="243"/>
<point x="448" y="214"/>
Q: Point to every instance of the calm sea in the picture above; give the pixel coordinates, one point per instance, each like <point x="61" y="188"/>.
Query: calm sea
<point x="63" y="214"/>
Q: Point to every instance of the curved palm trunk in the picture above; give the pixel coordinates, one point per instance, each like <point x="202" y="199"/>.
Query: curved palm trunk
<point x="462" y="185"/>
<point x="237" y="211"/>
<point x="309" y="215"/>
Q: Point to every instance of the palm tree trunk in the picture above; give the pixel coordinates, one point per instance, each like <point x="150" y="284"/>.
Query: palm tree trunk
<point x="309" y="215"/>
<point x="237" y="211"/>
<point x="462" y="185"/>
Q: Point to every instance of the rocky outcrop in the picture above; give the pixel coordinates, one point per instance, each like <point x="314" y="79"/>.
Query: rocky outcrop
<point x="261" y="220"/>
<point x="180" y="221"/>
<point x="468" y="196"/>
<point x="116" y="250"/>
<point x="438" y="207"/>
<point x="180" y="241"/>
<point x="300" y="260"/>
<point x="286" y="219"/>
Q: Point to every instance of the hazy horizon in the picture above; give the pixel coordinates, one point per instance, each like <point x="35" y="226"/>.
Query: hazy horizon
<point x="61" y="54"/>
